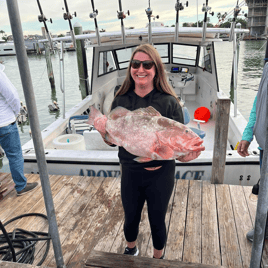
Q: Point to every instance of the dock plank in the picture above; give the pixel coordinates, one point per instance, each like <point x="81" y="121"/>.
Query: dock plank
<point x="243" y="222"/>
<point x="210" y="235"/>
<point x="192" y="243"/>
<point x="103" y="259"/>
<point x="230" y="250"/>
<point x="4" y="264"/>
<point x="174" y="247"/>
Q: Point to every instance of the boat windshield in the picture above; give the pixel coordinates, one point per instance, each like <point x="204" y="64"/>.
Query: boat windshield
<point x="205" y="58"/>
<point x="106" y="63"/>
<point x="123" y="56"/>
<point x="184" y="54"/>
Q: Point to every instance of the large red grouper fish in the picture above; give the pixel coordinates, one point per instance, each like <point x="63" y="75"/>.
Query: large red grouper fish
<point x="145" y="133"/>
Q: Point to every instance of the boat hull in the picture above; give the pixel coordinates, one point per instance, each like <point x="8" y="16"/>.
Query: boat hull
<point x="237" y="172"/>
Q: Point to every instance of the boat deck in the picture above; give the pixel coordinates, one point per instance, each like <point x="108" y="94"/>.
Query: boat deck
<point x="206" y="223"/>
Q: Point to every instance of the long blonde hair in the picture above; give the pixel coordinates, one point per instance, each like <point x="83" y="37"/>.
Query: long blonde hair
<point x="160" y="80"/>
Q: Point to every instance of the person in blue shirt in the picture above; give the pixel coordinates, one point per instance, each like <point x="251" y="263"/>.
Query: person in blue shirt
<point x="9" y="134"/>
<point x="256" y="127"/>
<point x="248" y="134"/>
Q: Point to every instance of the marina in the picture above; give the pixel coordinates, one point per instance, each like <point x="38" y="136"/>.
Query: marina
<point x="209" y="213"/>
<point x="206" y="223"/>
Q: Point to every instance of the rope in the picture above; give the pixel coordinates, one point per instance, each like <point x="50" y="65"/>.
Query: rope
<point x="260" y="49"/>
<point x="22" y="240"/>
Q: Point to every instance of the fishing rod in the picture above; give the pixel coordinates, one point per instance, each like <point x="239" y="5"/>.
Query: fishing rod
<point x="42" y="18"/>
<point x="205" y="9"/>
<point x="178" y="7"/>
<point x="67" y="16"/>
<point x="121" y="16"/>
<point x="149" y="13"/>
<point x="237" y="10"/>
<point x="94" y="16"/>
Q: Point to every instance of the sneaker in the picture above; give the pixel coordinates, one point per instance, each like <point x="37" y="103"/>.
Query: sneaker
<point x="131" y="251"/>
<point x="29" y="187"/>
<point x="250" y="235"/>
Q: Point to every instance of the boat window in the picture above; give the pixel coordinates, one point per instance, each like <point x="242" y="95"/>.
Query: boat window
<point x="205" y="58"/>
<point x="8" y="49"/>
<point x="185" y="55"/>
<point x="123" y="56"/>
<point x="163" y="51"/>
<point x="106" y="62"/>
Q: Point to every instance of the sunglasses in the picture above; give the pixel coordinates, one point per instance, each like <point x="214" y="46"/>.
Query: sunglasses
<point x="147" y="64"/>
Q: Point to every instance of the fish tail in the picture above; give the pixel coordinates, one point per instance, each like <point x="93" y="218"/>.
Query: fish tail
<point x="94" y="113"/>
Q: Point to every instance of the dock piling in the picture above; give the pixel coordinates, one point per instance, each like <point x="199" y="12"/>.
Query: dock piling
<point x="16" y="27"/>
<point x="81" y="62"/>
<point x="48" y="61"/>
<point x="220" y="140"/>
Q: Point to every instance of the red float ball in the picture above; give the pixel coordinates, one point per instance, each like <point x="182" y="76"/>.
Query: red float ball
<point x="202" y="113"/>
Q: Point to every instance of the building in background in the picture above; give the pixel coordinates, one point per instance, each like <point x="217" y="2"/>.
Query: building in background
<point x="257" y="17"/>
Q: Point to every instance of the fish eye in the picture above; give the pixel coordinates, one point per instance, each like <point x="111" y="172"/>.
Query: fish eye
<point x="186" y="130"/>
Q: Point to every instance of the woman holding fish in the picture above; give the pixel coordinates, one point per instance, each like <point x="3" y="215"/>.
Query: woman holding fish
<point x="146" y="122"/>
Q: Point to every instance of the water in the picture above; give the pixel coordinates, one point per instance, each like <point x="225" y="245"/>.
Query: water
<point x="250" y="67"/>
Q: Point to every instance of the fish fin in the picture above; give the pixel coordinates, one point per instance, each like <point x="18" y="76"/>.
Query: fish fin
<point x="141" y="159"/>
<point x="163" y="149"/>
<point x="146" y="111"/>
<point x="164" y="152"/>
<point x="94" y="113"/>
<point x="118" y="112"/>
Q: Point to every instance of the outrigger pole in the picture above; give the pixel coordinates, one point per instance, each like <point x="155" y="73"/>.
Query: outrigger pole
<point x="233" y="37"/>
<point x="42" y="18"/>
<point x="205" y="9"/>
<point x="94" y="16"/>
<point x="67" y="16"/>
<point x="149" y="13"/>
<point x="121" y="15"/>
<point x="15" y="22"/>
<point x="178" y="6"/>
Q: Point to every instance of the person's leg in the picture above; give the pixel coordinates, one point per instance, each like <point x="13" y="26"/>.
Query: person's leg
<point x="10" y="142"/>
<point x="133" y="201"/>
<point x="158" y="192"/>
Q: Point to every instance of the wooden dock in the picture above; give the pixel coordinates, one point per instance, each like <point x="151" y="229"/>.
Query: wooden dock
<point x="207" y="224"/>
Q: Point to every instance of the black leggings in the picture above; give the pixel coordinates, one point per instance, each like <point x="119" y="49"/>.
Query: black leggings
<point x="138" y="185"/>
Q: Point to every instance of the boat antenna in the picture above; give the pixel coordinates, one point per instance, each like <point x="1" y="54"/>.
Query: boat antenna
<point x="93" y="15"/>
<point x="121" y="16"/>
<point x="237" y="10"/>
<point x="42" y="18"/>
<point x="205" y="9"/>
<point x="178" y="7"/>
<point x="68" y="16"/>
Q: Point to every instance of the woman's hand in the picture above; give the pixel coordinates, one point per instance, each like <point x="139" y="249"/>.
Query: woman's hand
<point x="242" y="148"/>
<point x="189" y="157"/>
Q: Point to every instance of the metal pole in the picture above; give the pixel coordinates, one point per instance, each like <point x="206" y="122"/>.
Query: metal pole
<point x="62" y="84"/>
<point x="261" y="213"/>
<point x="235" y="69"/>
<point x="26" y="80"/>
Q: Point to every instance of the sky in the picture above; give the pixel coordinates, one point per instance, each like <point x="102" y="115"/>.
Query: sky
<point x="107" y="13"/>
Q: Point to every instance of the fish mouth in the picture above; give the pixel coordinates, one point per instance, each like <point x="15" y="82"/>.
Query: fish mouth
<point x="196" y="144"/>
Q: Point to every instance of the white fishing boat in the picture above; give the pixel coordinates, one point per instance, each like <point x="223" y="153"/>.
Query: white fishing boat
<point x="75" y="148"/>
<point x="7" y="49"/>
